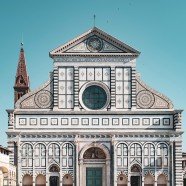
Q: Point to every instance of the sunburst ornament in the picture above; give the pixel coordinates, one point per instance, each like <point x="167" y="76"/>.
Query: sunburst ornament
<point x="94" y="44"/>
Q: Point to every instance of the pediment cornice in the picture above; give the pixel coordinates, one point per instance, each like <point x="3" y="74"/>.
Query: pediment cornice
<point x="113" y="45"/>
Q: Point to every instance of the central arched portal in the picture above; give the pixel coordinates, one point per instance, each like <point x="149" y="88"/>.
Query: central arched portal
<point x="135" y="179"/>
<point x="54" y="175"/>
<point x="95" y="166"/>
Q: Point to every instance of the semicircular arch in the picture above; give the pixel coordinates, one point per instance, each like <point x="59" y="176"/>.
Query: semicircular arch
<point x="101" y="146"/>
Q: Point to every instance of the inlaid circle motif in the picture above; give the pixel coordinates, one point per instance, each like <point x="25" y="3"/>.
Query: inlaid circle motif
<point x="43" y="99"/>
<point x="145" y="99"/>
<point x="94" y="44"/>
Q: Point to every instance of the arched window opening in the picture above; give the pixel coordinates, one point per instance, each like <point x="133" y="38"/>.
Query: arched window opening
<point x="27" y="180"/>
<point x="94" y="153"/>
<point x="40" y="155"/>
<point x="162" y="181"/>
<point x="67" y="155"/>
<point x="67" y="180"/>
<point x="162" y="155"/>
<point x="27" y="155"/>
<point x="149" y="180"/>
<point x="149" y="155"/>
<point x="40" y="180"/>
<point x="136" y="153"/>
<point x="122" y="155"/>
<point x="122" y="180"/>
<point x="54" y="152"/>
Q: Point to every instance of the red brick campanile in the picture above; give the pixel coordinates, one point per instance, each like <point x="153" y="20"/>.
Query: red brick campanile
<point x="21" y="86"/>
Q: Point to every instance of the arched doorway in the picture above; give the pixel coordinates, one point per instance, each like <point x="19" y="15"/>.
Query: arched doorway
<point x="54" y="175"/>
<point x="27" y="180"/>
<point x="94" y="165"/>
<point x="40" y="180"/>
<point x="149" y="180"/>
<point x="122" y="180"/>
<point x="135" y="179"/>
<point x="67" y="180"/>
<point x="161" y="181"/>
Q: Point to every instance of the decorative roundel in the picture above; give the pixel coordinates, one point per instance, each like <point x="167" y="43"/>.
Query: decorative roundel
<point x="94" y="44"/>
<point x="43" y="99"/>
<point x="145" y="99"/>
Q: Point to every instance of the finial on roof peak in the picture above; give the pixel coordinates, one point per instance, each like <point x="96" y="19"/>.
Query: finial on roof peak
<point x="22" y="46"/>
<point x="94" y="20"/>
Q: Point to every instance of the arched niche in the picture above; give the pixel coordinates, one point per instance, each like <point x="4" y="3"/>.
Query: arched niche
<point x="148" y="180"/>
<point x="122" y="180"/>
<point x="40" y="180"/>
<point x="27" y="180"/>
<point x="67" y="180"/>
<point x="135" y="168"/>
<point x="54" y="168"/>
<point x="102" y="147"/>
<point x="161" y="181"/>
<point x="94" y="153"/>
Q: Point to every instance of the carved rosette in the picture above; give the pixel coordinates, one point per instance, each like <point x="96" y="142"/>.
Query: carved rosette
<point x="145" y="99"/>
<point x="94" y="44"/>
<point x="43" y="99"/>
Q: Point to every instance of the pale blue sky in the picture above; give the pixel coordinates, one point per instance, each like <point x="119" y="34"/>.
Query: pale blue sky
<point x="154" y="27"/>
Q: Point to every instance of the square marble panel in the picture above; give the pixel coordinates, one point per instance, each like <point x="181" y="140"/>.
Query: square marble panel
<point x="166" y="121"/>
<point x="85" y="121"/>
<point x="44" y="121"/>
<point x="33" y="121"/>
<point x="54" y="121"/>
<point x="74" y="121"/>
<point x="156" y="121"/>
<point x="105" y="121"/>
<point x="64" y="121"/>
<point x="135" y="121"/>
<point x="22" y="121"/>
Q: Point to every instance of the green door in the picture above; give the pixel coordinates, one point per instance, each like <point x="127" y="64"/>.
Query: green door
<point x="94" y="177"/>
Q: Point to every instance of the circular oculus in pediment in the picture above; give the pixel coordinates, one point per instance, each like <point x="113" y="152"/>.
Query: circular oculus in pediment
<point x="94" y="44"/>
<point x="94" y="96"/>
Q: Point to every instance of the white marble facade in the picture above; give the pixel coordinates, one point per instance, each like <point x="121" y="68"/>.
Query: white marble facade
<point x="127" y="132"/>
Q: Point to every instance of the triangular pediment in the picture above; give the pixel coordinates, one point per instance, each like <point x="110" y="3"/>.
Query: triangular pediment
<point x="94" y="41"/>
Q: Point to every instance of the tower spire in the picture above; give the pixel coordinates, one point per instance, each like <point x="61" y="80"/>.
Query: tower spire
<point x="21" y="85"/>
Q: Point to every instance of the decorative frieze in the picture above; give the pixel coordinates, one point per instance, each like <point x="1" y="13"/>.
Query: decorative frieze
<point x="145" y="121"/>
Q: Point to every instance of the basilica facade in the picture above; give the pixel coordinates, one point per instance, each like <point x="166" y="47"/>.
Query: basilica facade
<point x="94" y="122"/>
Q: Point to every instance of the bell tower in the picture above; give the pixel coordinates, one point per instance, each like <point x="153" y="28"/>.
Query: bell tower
<point x="21" y="86"/>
